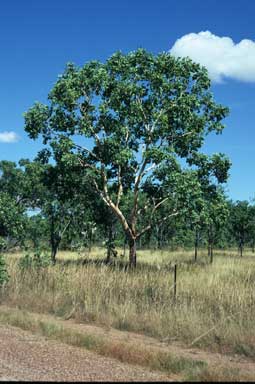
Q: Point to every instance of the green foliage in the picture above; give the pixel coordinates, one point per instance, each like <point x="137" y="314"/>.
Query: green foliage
<point x="130" y="100"/>
<point x="4" y="276"/>
<point x="142" y="113"/>
<point x="12" y="219"/>
<point x="37" y="260"/>
<point x="37" y="231"/>
<point x="242" y="222"/>
<point x="3" y="243"/>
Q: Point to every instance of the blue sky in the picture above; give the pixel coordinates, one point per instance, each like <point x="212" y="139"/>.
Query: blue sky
<point x="37" y="39"/>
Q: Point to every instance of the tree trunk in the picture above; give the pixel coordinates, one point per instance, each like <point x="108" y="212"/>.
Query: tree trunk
<point x="124" y="246"/>
<point x="90" y="238"/>
<point x="35" y="243"/>
<point x="195" y="252"/>
<point x="148" y="239"/>
<point x="161" y="236"/>
<point x="241" y="248"/>
<point x="110" y="244"/>
<point x="211" y="253"/>
<point x="132" y="253"/>
<point x="108" y="256"/>
<point x="210" y="245"/>
<point x="55" y="241"/>
<point x="54" y="250"/>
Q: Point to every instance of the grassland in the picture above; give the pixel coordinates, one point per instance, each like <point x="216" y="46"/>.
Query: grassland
<point x="214" y="308"/>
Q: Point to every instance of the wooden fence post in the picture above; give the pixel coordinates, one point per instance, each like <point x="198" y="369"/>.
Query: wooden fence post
<point x="175" y="281"/>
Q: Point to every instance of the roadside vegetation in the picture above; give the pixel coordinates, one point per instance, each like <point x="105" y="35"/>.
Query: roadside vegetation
<point x="214" y="305"/>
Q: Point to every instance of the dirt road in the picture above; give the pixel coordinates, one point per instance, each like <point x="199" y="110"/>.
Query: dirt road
<point x="24" y="356"/>
<point x="28" y="356"/>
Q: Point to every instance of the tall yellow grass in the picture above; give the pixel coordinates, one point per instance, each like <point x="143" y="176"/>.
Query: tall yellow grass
<point x="215" y="304"/>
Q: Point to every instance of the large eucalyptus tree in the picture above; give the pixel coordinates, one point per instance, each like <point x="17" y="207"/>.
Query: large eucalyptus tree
<point x="130" y="121"/>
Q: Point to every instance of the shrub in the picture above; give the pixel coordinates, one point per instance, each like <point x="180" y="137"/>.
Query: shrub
<point x="38" y="259"/>
<point x="4" y="277"/>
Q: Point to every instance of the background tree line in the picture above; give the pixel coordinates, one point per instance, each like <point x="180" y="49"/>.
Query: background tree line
<point x="43" y="206"/>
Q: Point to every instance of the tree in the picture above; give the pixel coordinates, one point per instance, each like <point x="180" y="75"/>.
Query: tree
<point x="57" y="192"/>
<point x="217" y="216"/>
<point x="11" y="180"/>
<point x="104" y="218"/>
<point x="210" y="205"/>
<point x="140" y="114"/>
<point x="37" y="230"/>
<point x="196" y="220"/>
<point x="241" y="223"/>
<point x="252" y="227"/>
<point x="12" y="221"/>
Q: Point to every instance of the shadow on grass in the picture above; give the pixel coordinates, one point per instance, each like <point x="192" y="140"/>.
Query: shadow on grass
<point x="122" y="265"/>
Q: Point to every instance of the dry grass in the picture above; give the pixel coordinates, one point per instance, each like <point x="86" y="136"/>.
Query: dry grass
<point x="216" y="301"/>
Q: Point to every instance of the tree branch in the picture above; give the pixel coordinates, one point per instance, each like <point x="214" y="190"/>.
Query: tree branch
<point x="136" y="190"/>
<point x="87" y="165"/>
<point x="87" y="150"/>
<point x="113" y="206"/>
<point x="153" y="166"/>
<point x="65" y="228"/>
<point x="120" y="187"/>
<point x="141" y="106"/>
<point x="158" y="223"/>
<point x="159" y="204"/>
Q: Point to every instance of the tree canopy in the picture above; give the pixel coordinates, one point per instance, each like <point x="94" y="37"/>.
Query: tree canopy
<point x="136" y="123"/>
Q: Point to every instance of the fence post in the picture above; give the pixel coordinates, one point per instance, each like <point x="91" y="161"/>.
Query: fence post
<point x="175" y="281"/>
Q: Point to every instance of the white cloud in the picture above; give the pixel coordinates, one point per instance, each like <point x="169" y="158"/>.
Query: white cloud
<point x="8" y="137"/>
<point x="220" y="55"/>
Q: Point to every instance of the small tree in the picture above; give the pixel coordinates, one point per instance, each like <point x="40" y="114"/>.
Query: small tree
<point x="252" y="227"/>
<point x="217" y="216"/>
<point x="36" y="231"/>
<point x="241" y="223"/>
<point x="4" y="276"/>
<point x="54" y="191"/>
<point x="140" y="114"/>
<point x="12" y="221"/>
